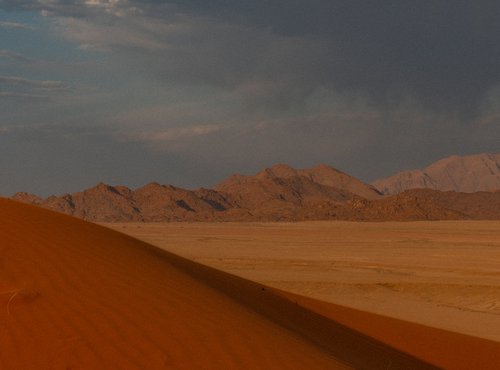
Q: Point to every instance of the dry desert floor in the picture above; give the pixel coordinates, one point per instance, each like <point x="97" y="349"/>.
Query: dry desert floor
<point x="443" y="274"/>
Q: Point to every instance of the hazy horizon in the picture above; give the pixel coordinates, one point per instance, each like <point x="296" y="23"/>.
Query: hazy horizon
<point x="189" y="92"/>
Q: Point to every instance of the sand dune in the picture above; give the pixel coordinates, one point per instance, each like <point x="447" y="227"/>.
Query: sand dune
<point x="76" y="295"/>
<point x="79" y="296"/>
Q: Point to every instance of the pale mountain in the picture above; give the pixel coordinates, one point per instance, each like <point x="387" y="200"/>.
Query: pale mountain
<point x="466" y="174"/>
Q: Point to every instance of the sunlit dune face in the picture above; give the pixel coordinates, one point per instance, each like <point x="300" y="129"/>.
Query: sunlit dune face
<point x="76" y="295"/>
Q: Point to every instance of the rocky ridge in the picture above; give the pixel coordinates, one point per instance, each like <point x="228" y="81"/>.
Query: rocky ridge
<point x="279" y="193"/>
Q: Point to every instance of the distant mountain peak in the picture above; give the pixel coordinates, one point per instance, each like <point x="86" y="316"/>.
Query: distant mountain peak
<point x="278" y="170"/>
<point x="468" y="174"/>
<point x="324" y="167"/>
<point x="320" y="175"/>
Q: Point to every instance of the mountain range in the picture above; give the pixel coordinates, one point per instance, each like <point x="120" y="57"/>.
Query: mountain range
<point x="283" y="193"/>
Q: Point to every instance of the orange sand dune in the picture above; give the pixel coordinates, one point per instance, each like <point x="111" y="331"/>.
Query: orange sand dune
<point x="76" y="295"/>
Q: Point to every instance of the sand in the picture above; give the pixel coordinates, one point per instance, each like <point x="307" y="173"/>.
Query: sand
<point x="441" y="274"/>
<point x="76" y="295"/>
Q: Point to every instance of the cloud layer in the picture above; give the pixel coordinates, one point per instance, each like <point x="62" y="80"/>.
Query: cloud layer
<point x="369" y="87"/>
<point x="442" y="54"/>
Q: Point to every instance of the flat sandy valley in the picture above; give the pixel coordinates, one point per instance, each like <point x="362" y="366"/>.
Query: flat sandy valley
<point x="443" y="274"/>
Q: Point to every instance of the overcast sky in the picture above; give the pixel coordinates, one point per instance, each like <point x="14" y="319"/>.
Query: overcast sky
<point x="188" y="92"/>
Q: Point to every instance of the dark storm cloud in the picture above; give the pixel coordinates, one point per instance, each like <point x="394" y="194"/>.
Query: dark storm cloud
<point x="443" y="54"/>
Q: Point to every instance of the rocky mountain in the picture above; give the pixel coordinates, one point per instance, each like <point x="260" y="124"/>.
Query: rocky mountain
<point x="282" y="185"/>
<point x="279" y="193"/>
<point x="466" y="174"/>
<point x="322" y="175"/>
<point x="150" y="203"/>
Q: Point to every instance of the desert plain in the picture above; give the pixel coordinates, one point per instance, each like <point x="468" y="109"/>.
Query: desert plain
<point x="443" y="274"/>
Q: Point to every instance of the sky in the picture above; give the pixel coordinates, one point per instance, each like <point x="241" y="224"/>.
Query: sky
<point x="187" y="92"/>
